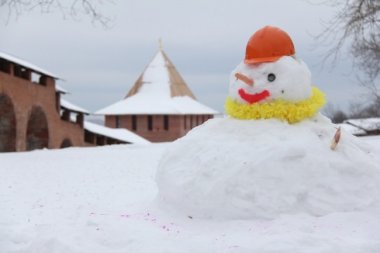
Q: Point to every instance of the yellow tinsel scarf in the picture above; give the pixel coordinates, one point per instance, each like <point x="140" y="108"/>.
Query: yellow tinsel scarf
<point x="292" y="112"/>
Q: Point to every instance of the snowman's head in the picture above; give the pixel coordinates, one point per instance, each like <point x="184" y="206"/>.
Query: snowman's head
<point x="288" y="79"/>
<point x="271" y="82"/>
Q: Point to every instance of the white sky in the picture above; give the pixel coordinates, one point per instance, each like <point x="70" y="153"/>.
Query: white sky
<point x="204" y="39"/>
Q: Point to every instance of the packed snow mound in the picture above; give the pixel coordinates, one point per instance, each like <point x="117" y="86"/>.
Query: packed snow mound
<point x="247" y="169"/>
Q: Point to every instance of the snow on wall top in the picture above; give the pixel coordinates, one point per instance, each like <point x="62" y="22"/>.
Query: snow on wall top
<point x="369" y="124"/>
<point x="60" y="89"/>
<point x="352" y="129"/>
<point x="159" y="90"/>
<point x="173" y="106"/>
<point x="26" y="64"/>
<point x="121" y="134"/>
<point x="70" y="106"/>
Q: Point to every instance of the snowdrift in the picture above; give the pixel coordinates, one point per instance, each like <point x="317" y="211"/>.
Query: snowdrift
<point x="245" y="169"/>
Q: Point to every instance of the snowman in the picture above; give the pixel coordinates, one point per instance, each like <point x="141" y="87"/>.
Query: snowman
<point x="271" y="155"/>
<point x="272" y="82"/>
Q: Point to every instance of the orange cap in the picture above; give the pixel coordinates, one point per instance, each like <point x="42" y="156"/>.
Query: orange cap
<point x="268" y="45"/>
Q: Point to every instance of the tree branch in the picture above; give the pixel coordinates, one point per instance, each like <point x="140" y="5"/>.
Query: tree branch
<point x="89" y="8"/>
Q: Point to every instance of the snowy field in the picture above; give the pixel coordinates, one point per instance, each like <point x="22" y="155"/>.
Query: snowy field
<point x="102" y="200"/>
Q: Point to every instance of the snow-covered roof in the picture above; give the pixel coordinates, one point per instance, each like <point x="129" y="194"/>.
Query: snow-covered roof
<point x="71" y="107"/>
<point x="26" y="64"/>
<point x="161" y="77"/>
<point x="115" y="133"/>
<point x="352" y="129"/>
<point x="159" y="90"/>
<point x="121" y="134"/>
<point x="368" y="124"/>
<point x="141" y="104"/>
<point x="59" y="89"/>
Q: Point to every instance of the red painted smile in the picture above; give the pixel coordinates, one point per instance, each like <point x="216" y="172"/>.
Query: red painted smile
<point x="253" y="98"/>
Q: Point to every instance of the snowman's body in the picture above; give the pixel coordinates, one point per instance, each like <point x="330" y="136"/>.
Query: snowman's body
<point x="248" y="169"/>
<point x="276" y="161"/>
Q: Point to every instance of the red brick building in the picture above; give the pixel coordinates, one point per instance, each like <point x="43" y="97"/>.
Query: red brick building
<point x="160" y="106"/>
<point x="33" y="115"/>
<point x="30" y="109"/>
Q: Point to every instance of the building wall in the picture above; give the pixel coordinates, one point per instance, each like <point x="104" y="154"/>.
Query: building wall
<point x="178" y="125"/>
<point x="26" y="96"/>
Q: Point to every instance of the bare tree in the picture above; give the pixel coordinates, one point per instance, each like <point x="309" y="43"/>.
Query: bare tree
<point x="355" y="111"/>
<point x="335" y="114"/>
<point x="356" y="26"/>
<point x="74" y="8"/>
<point x="357" y="23"/>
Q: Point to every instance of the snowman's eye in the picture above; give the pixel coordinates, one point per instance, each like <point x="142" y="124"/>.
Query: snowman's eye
<point x="271" y="77"/>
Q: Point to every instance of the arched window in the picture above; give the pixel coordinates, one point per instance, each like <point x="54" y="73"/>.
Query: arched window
<point x="7" y="125"/>
<point x="66" y="143"/>
<point x="37" y="133"/>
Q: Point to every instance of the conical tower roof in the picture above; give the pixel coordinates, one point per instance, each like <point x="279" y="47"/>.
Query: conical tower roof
<point x="160" y="89"/>
<point x="161" y="77"/>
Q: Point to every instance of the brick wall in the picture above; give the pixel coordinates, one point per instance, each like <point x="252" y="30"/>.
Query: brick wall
<point x="26" y="95"/>
<point x="152" y="127"/>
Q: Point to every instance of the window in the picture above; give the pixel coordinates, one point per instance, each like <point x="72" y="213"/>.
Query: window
<point x="57" y="101"/>
<point x="185" y="121"/>
<point x="117" y="121"/>
<point x="166" y="122"/>
<point x="191" y="121"/>
<point x="36" y="77"/>
<point x="134" y="122"/>
<point x="89" y="137"/>
<point x="17" y="71"/>
<point x="21" y="72"/>
<point x="150" y="123"/>
<point x="4" y="66"/>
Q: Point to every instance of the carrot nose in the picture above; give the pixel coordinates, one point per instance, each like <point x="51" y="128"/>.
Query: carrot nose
<point x="244" y="78"/>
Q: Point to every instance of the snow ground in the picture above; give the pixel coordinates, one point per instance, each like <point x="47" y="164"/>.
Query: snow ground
<point x="101" y="200"/>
